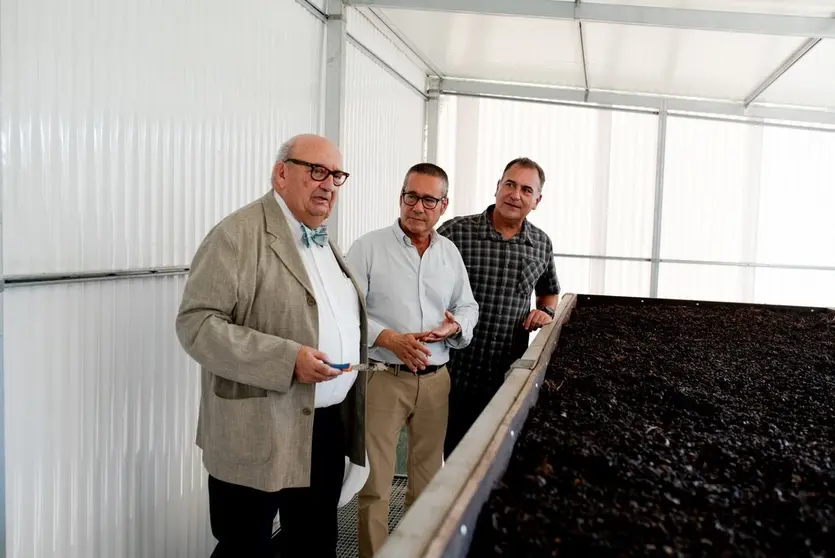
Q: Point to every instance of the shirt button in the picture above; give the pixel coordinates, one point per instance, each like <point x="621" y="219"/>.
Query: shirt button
<point x="306" y="411"/>
<point x="311" y="301"/>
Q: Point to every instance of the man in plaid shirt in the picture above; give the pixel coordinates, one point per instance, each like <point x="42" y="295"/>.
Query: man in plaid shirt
<point x="507" y="259"/>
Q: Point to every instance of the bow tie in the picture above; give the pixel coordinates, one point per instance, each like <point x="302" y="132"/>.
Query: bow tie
<point x="319" y="235"/>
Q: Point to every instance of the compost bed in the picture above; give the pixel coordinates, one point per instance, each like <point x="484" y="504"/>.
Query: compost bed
<point x="675" y="430"/>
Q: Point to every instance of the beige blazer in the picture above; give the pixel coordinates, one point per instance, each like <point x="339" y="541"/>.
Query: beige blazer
<point x="247" y="308"/>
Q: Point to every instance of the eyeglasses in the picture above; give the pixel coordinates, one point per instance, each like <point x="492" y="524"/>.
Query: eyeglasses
<point x="411" y="199"/>
<point x="320" y="173"/>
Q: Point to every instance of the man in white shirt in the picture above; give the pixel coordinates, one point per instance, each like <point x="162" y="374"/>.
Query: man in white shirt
<point x="269" y="305"/>
<point x="420" y="306"/>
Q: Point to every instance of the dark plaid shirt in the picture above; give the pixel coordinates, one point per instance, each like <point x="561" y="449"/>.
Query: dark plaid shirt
<point x="503" y="275"/>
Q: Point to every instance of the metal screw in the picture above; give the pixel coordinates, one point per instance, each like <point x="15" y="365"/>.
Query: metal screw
<point x="463" y="529"/>
<point x="512" y="433"/>
<point x="536" y="384"/>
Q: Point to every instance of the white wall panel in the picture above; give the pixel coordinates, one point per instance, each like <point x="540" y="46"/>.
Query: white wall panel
<point x="795" y="287"/>
<point x="706" y="282"/>
<point x="129" y="128"/>
<point x="448" y="158"/>
<point x="603" y="277"/>
<point x="101" y="409"/>
<point x="384" y="130"/>
<point x="599" y="168"/>
<point x="744" y="193"/>
<point x="796" y="223"/>
<point x="802" y="287"/>
<point x="710" y="190"/>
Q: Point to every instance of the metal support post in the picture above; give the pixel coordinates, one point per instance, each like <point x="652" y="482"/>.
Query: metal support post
<point x="661" y="153"/>
<point x="2" y="387"/>
<point x="336" y="47"/>
<point x="432" y="118"/>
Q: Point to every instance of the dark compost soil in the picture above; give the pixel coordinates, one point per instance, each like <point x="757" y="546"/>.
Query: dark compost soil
<point x="673" y="430"/>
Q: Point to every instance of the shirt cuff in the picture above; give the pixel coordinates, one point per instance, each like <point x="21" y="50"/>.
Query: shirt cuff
<point x="460" y="339"/>
<point x="374" y="331"/>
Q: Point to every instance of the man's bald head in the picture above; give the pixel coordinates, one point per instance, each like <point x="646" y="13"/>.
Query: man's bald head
<point x="303" y="142"/>
<point x="299" y="161"/>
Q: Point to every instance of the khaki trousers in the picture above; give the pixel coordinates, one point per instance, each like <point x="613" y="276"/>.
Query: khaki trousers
<point x="421" y="403"/>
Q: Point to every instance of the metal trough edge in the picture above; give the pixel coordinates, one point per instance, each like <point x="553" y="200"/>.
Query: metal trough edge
<point x="441" y="521"/>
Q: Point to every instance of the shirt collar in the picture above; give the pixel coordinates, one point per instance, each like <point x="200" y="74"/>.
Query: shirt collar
<point x="404" y="239"/>
<point x="488" y="231"/>
<point x="294" y="224"/>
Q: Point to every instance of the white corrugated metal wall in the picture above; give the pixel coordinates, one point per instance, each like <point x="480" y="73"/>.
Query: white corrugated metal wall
<point x="128" y="130"/>
<point x="744" y="206"/>
<point x="384" y="129"/>
<point x="597" y="162"/>
<point x="753" y="194"/>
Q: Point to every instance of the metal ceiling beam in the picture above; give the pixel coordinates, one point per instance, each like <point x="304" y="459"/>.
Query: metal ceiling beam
<point x="433" y="118"/>
<point x="782" y="69"/>
<point x="583" y="53"/>
<point x="612" y="99"/>
<point x="585" y="63"/>
<point x="592" y="12"/>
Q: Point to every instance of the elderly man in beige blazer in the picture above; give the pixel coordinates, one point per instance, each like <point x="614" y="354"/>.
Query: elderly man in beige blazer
<point x="268" y="305"/>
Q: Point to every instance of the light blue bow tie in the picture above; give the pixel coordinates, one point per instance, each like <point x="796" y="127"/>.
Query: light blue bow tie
<point x="319" y="235"/>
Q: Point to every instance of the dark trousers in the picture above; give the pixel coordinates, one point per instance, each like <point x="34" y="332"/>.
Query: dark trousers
<point x="242" y="517"/>
<point x="464" y="408"/>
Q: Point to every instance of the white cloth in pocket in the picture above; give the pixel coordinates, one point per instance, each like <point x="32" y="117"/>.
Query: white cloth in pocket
<point x="353" y="480"/>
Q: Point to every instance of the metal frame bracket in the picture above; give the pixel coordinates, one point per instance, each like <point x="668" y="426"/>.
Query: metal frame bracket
<point x="524" y="364"/>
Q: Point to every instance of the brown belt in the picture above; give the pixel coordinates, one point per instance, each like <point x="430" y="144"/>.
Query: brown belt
<point x="397" y="368"/>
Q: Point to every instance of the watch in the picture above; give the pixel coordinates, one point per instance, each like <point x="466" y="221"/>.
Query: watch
<point x="457" y="333"/>
<point x="548" y="310"/>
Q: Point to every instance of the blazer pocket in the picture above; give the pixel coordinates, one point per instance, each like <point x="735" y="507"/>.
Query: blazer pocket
<point x="240" y="430"/>
<point x="227" y="389"/>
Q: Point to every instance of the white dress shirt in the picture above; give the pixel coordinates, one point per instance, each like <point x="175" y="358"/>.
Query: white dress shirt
<point x="408" y="293"/>
<point x="338" y="307"/>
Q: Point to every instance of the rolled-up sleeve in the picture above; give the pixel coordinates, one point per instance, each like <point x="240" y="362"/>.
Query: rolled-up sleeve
<point x="548" y="283"/>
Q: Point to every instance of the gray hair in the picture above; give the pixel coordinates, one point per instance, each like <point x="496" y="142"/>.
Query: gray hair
<point x="429" y="169"/>
<point x="285" y="150"/>
<point x="526" y="163"/>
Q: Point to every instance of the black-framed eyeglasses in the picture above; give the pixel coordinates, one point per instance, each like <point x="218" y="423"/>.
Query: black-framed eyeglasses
<point x="320" y="173"/>
<point x="429" y="202"/>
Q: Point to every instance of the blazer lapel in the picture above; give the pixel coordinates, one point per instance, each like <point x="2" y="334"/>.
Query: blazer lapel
<point x="284" y="244"/>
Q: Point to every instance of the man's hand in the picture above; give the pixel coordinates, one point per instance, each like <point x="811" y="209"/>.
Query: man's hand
<point x="311" y="368"/>
<point x="447" y="328"/>
<point x="407" y="347"/>
<point x="536" y="319"/>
